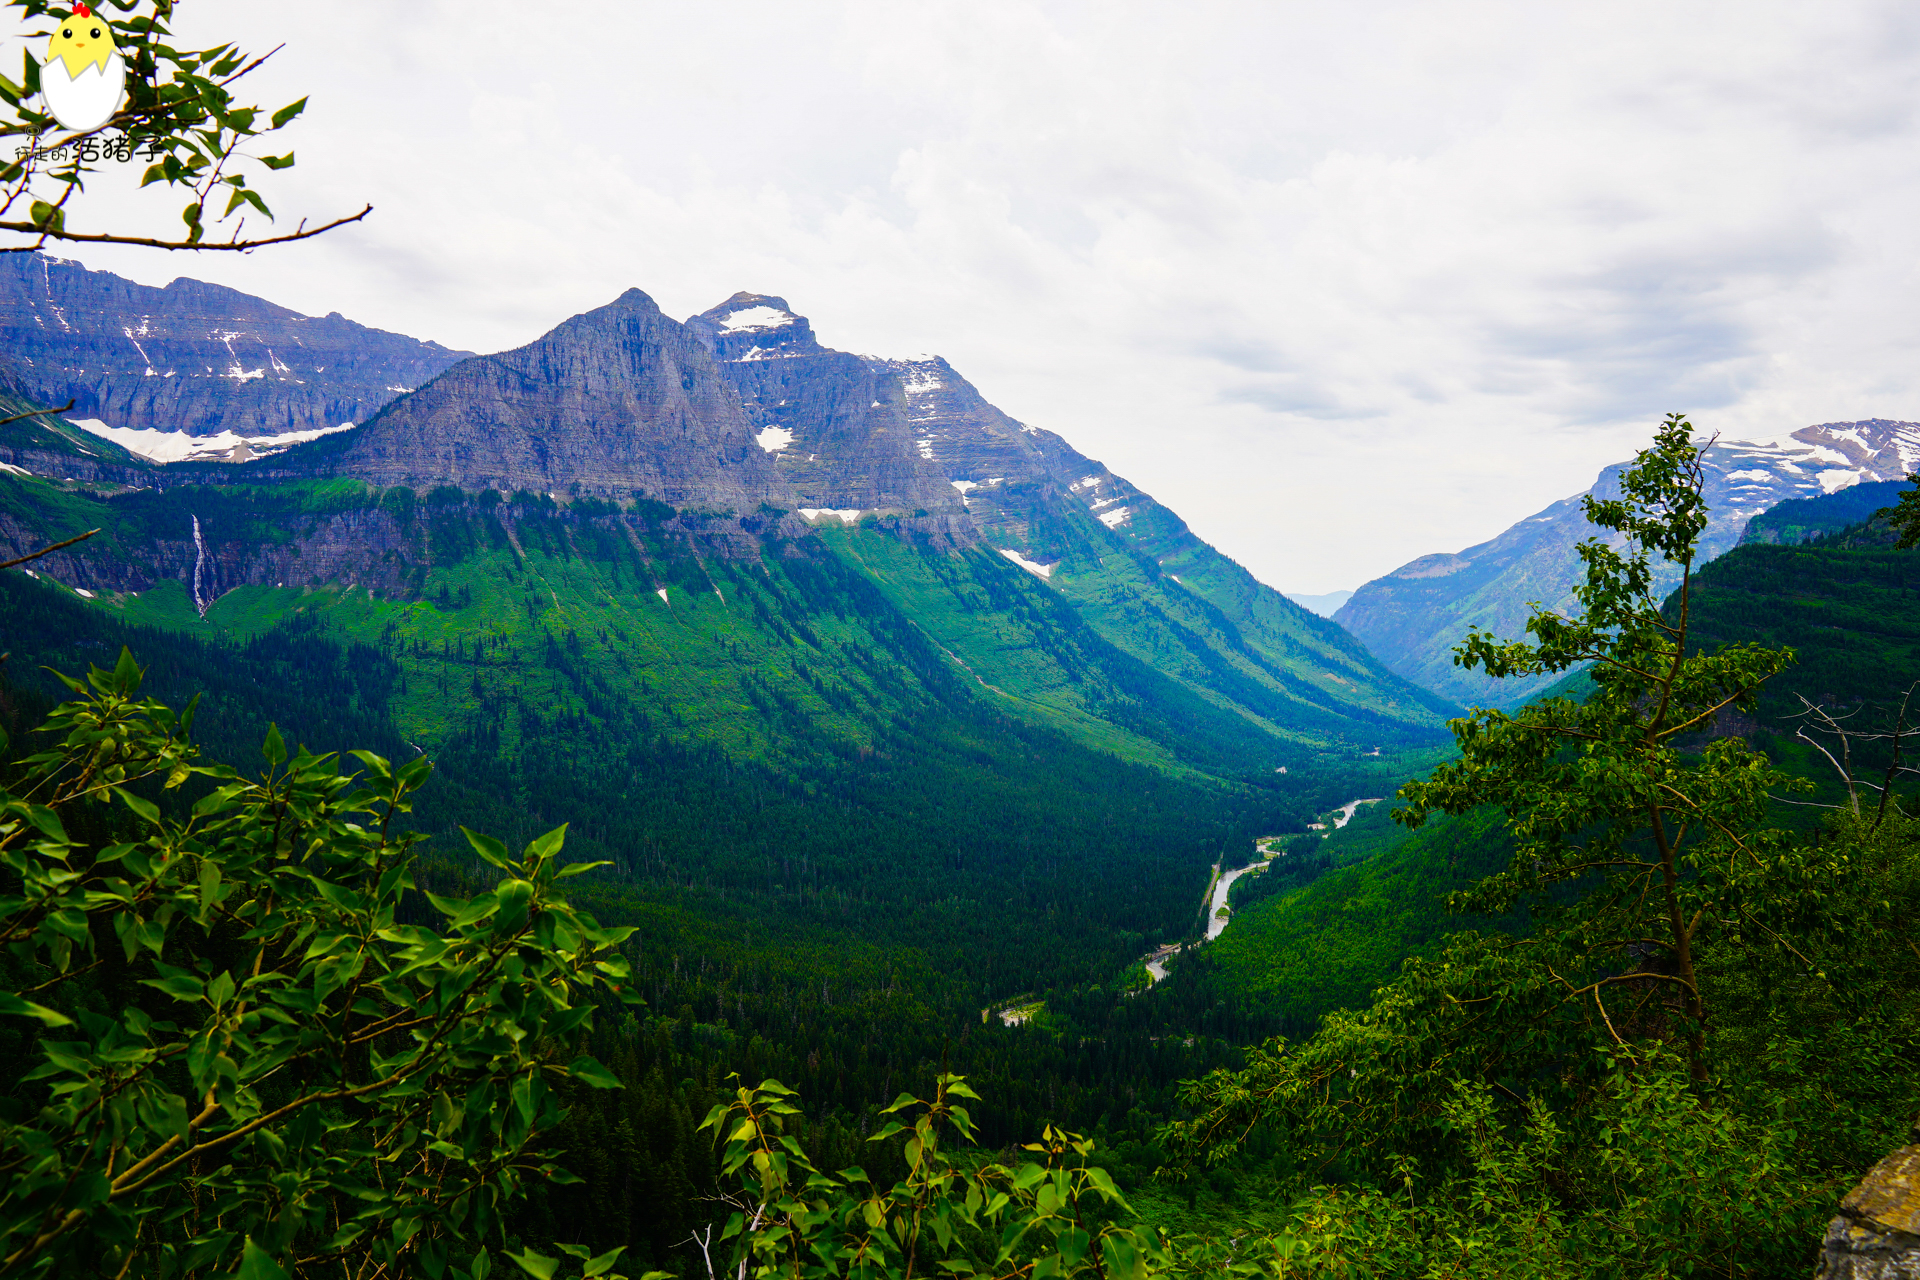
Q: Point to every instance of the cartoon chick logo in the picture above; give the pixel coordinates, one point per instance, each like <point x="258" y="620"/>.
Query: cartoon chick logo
<point x="84" y="78"/>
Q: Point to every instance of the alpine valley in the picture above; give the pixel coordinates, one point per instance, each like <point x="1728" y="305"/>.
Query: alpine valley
<point x="887" y="708"/>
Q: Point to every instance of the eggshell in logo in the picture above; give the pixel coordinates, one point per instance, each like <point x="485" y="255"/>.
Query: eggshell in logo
<point x="85" y="101"/>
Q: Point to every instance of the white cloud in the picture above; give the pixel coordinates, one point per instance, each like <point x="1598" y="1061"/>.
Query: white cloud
<point x="1462" y="253"/>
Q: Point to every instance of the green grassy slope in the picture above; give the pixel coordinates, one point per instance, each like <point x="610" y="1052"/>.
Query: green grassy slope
<point x="1159" y="594"/>
<point x="761" y="741"/>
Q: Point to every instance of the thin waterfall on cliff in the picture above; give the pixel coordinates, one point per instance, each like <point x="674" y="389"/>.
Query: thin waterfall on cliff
<point x="199" y="561"/>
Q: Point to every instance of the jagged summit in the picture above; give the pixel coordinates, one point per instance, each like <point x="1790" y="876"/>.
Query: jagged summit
<point x="754" y="326"/>
<point x="615" y="403"/>
<point x="1877" y="449"/>
<point x="833" y="423"/>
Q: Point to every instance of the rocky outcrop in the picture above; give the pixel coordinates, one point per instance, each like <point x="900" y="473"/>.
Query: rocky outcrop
<point x="196" y="357"/>
<point x="835" y="424"/>
<point x="998" y="465"/>
<point x="617" y="404"/>
<point x="1413" y="617"/>
<point x="1876" y="1235"/>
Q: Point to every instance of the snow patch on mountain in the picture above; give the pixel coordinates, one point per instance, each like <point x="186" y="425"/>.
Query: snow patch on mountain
<point x="921" y="381"/>
<point x="1044" y="570"/>
<point x="756" y="318"/>
<point x="774" y="439"/>
<point x="178" y="446"/>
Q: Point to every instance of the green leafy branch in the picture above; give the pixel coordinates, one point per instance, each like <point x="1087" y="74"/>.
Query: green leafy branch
<point x="180" y="113"/>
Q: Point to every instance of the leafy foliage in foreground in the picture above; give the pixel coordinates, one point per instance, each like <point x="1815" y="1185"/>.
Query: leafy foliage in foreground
<point x="1048" y="1212"/>
<point x="325" y="1087"/>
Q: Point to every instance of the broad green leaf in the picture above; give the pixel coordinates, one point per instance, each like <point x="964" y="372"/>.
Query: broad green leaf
<point x="588" y="1070"/>
<point x="536" y="1265"/>
<point x="547" y="845"/>
<point x="178" y="984"/>
<point x="575" y="868"/>
<point x="13" y="1004"/>
<point x="604" y="1263"/>
<point x="257" y="1264"/>
<point x="146" y="809"/>
<point x="489" y="849"/>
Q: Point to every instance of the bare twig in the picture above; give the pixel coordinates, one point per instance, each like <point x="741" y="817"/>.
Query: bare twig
<point x="1899" y="730"/>
<point x="46" y="233"/>
<point x="34" y="414"/>
<point x="46" y="550"/>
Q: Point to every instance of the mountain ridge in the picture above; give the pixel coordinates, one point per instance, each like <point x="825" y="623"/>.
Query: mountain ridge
<point x="193" y="356"/>
<point x="1412" y="617"/>
<point x="678" y="455"/>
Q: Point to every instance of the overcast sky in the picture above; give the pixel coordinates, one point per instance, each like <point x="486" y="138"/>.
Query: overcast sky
<point x="1341" y="283"/>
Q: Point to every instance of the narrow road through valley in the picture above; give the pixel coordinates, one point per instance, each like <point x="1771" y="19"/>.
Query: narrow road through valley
<point x="1218" y="912"/>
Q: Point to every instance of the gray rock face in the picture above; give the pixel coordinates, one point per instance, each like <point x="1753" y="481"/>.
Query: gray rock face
<point x="615" y="404"/>
<point x="368" y="549"/>
<point x="835" y="424"/>
<point x="1414" y="616"/>
<point x="1877" y="1233"/>
<point x="999" y="466"/>
<point x="195" y="357"/>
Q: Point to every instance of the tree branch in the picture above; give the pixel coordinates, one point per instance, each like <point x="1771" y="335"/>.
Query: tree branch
<point x="47" y="550"/>
<point x="34" y="414"/>
<point x="242" y="246"/>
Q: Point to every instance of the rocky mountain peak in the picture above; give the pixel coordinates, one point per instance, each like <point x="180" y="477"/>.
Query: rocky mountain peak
<point x="754" y="326"/>
<point x="1877" y="449"/>
<point x="615" y="403"/>
<point x="834" y="423"/>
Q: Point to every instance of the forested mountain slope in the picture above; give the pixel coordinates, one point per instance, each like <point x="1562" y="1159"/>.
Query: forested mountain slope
<point x="594" y="600"/>
<point x="1848" y="604"/>
<point x="1414" y="616"/>
<point x="914" y="440"/>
